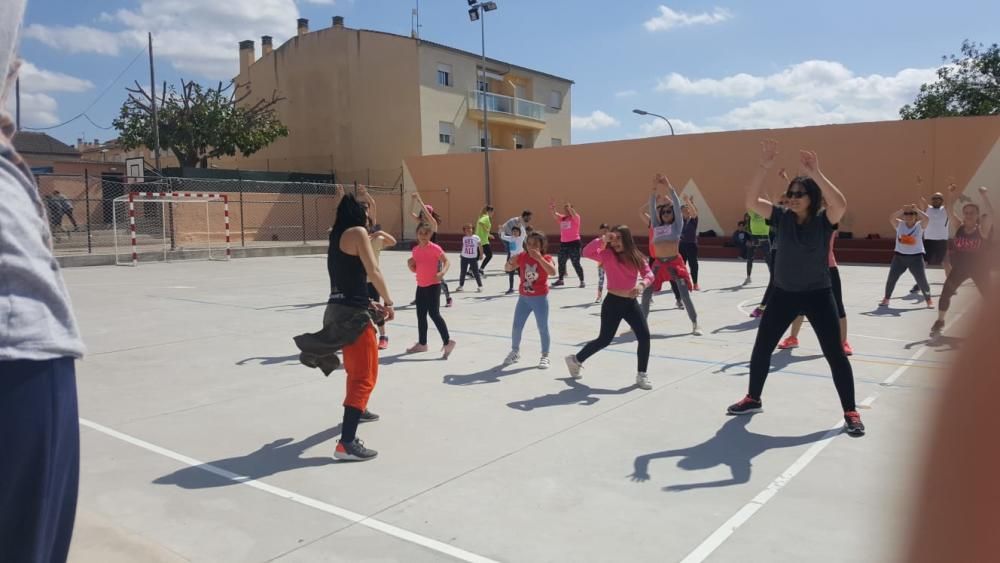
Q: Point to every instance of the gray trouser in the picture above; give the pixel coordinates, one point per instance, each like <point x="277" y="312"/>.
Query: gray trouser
<point x="682" y="290"/>
<point x="903" y="262"/>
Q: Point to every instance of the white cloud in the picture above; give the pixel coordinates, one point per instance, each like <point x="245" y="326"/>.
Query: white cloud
<point x="808" y="93"/>
<point x="34" y="79"/>
<point x="37" y="110"/>
<point x="195" y="36"/>
<point x="669" y="19"/>
<point x="658" y="127"/>
<point x="75" y="39"/>
<point x="625" y="94"/>
<point x="739" y="85"/>
<point x="596" y="120"/>
<point x="326" y="2"/>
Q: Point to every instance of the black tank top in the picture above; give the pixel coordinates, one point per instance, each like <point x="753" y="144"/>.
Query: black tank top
<point x="348" y="279"/>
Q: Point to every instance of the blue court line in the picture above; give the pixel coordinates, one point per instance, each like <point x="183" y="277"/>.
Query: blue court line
<point x="658" y="356"/>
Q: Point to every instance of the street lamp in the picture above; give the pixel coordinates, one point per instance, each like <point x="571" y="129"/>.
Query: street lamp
<point x="477" y="11"/>
<point x="643" y="112"/>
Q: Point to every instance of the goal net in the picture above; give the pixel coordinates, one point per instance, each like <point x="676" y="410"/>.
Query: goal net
<point x="165" y="226"/>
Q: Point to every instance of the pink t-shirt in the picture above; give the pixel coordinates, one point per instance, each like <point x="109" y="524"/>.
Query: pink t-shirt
<point x="831" y="260"/>
<point x="569" y="228"/>
<point x="621" y="276"/>
<point x="427" y="259"/>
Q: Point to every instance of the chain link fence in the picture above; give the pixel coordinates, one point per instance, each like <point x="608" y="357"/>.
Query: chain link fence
<point x="90" y="215"/>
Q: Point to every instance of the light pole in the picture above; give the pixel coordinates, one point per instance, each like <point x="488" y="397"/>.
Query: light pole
<point x="477" y="11"/>
<point x="643" y="112"/>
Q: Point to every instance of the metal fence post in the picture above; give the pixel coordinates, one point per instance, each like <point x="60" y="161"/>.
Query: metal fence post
<point x="303" y="194"/>
<point x="86" y="195"/>
<point x="243" y="233"/>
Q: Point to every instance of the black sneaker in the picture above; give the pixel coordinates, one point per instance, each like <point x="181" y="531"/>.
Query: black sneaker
<point x="369" y="416"/>
<point x="915" y="289"/>
<point x="558" y="283"/>
<point x="937" y="327"/>
<point x="747" y="405"/>
<point x="354" y="451"/>
<point x="852" y="424"/>
<point x="583" y="285"/>
<point x="509" y="291"/>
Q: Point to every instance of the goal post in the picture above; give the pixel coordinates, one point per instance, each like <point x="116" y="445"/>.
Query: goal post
<point x="147" y="224"/>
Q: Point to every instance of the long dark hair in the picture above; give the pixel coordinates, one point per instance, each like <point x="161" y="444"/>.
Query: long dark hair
<point x="350" y="213"/>
<point x="630" y="253"/>
<point x="812" y="190"/>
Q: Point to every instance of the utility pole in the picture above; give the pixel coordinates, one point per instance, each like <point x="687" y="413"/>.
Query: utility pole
<point x="156" y="119"/>
<point x="17" y="102"/>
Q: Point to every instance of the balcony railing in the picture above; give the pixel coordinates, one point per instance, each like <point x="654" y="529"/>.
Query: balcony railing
<point x="496" y="103"/>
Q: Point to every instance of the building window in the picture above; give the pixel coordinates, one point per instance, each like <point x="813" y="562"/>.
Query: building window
<point x="444" y="75"/>
<point x="556" y="142"/>
<point x="555" y="99"/>
<point x="482" y="86"/>
<point x="446" y="133"/>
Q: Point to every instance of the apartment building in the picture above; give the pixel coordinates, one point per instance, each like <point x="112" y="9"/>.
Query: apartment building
<point x="359" y="100"/>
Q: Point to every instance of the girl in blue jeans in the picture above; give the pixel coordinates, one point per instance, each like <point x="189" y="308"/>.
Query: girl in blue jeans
<point x="534" y="268"/>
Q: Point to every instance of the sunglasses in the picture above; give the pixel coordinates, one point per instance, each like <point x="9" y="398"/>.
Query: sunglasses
<point x="910" y="213"/>
<point x="795" y="194"/>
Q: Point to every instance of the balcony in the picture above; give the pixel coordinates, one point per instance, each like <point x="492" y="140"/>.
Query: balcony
<point x="507" y="109"/>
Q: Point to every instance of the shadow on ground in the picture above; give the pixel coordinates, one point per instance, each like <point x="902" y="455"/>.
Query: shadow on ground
<point x="276" y="457"/>
<point x="733" y="446"/>
<point x="577" y="394"/>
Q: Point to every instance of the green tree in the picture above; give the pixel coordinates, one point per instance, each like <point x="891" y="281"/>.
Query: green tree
<point x="967" y="85"/>
<point x="198" y="123"/>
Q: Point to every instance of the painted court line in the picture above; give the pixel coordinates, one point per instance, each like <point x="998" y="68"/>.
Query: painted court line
<point x="729" y="527"/>
<point x="354" y="517"/>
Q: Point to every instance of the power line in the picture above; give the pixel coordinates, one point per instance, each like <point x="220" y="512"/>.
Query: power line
<point x="93" y="103"/>
<point x="87" y="117"/>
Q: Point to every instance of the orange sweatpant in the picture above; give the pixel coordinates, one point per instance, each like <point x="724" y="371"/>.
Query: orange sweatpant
<point x="361" y="365"/>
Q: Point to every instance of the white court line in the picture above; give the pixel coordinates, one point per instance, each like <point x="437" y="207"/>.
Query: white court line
<point x="359" y="519"/>
<point x="729" y="527"/>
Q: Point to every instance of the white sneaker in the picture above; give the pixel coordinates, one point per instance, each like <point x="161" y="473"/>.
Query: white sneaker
<point x="642" y="381"/>
<point x="747" y="281"/>
<point x="696" y="330"/>
<point x="512" y="358"/>
<point x="543" y="363"/>
<point x="574" y="367"/>
<point x="479" y="289"/>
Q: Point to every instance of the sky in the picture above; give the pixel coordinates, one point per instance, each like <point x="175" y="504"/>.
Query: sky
<point x="730" y="65"/>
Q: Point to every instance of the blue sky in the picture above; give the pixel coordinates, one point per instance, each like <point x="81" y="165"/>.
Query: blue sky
<point x="729" y="65"/>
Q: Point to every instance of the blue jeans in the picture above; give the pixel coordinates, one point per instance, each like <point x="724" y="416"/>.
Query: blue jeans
<point x="39" y="459"/>
<point x="526" y="306"/>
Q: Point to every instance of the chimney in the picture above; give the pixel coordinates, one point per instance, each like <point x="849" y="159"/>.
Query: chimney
<point x="246" y="57"/>
<point x="303" y="24"/>
<point x="97" y="142"/>
<point x="79" y="142"/>
<point x="338" y="22"/>
<point x="265" y="45"/>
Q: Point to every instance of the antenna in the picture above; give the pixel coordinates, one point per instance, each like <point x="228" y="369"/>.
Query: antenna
<point x="415" y="22"/>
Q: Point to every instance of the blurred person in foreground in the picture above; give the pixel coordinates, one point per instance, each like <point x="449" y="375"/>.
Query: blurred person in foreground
<point x="955" y="514"/>
<point x="39" y="343"/>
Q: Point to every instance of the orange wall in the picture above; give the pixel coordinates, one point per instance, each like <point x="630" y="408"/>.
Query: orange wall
<point x="876" y="165"/>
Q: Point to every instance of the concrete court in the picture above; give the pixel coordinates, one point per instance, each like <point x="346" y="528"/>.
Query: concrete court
<point x="193" y="362"/>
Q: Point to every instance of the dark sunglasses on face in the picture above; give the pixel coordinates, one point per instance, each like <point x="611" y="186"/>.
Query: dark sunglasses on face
<point x="910" y="213"/>
<point x="795" y="194"/>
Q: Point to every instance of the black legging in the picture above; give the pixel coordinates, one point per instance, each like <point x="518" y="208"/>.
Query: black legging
<point x="487" y="256"/>
<point x="429" y="303"/>
<point x="689" y="252"/>
<point x="903" y="262"/>
<point x="961" y="270"/>
<point x="570" y="251"/>
<point x="613" y="311"/>
<point x="469" y="268"/>
<point x="820" y="308"/>
<point x="764" y="243"/>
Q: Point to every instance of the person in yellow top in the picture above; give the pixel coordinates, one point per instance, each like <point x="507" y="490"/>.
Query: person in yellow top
<point x="483" y="227"/>
<point x="759" y="238"/>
